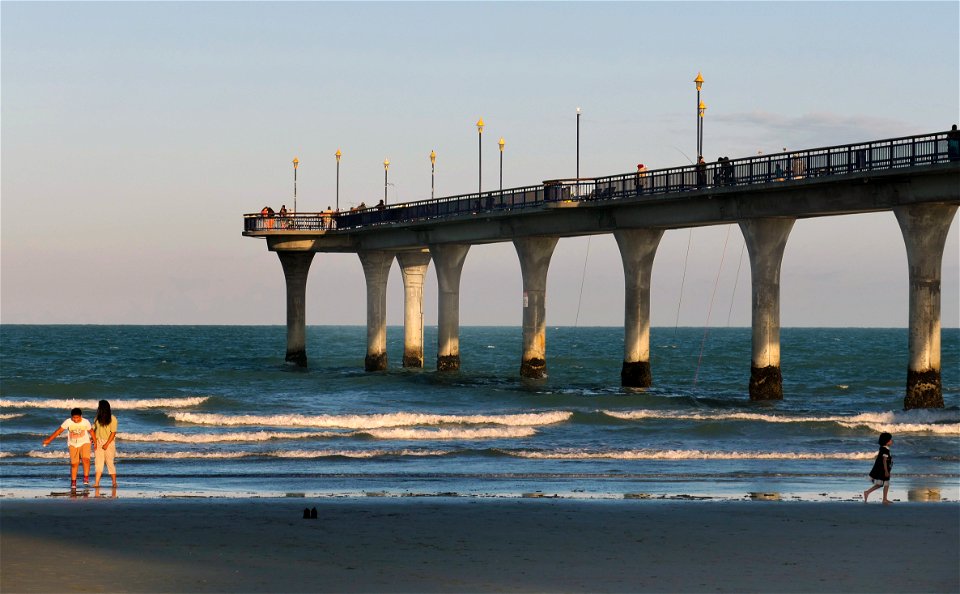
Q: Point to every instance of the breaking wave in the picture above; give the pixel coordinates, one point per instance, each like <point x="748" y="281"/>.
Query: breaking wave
<point x="940" y="422"/>
<point x="575" y="454"/>
<point x="114" y="404"/>
<point x="373" y="421"/>
<point x="238" y="455"/>
<point x="388" y="433"/>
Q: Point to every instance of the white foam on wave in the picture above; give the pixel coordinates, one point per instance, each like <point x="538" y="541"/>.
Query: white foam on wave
<point x="372" y="421"/>
<point x="114" y="404"/>
<point x="246" y="436"/>
<point x="62" y="455"/>
<point x="940" y="422"/>
<point x="453" y="434"/>
<point x="685" y="455"/>
<point x="8" y="416"/>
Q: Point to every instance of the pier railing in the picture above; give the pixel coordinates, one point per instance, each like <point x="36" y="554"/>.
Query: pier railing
<point x="893" y="153"/>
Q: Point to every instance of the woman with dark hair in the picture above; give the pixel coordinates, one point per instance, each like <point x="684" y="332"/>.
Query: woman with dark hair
<point x="105" y="432"/>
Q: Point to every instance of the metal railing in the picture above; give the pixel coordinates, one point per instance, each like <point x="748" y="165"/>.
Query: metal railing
<point x="894" y="153"/>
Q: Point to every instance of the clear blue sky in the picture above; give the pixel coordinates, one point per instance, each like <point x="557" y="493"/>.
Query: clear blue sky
<point x="135" y="135"/>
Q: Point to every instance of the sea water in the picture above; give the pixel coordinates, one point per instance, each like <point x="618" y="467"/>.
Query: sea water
<point x="214" y="410"/>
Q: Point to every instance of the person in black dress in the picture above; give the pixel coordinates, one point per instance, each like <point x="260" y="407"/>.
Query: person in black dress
<point x="880" y="473"/>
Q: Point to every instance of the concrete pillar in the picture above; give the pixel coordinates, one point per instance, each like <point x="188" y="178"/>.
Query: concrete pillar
<point x="534" y="253"/>
<point x="924" y="228"/>
<point x="296" y="265"/>
<point x="766" y="240"/>
<point x="413" y="267"/>
<point x="448" y="259"/>
<point x="376" y="268"/>
<point x="638" y="247"/>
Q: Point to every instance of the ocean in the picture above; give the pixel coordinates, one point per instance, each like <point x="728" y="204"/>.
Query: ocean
<point x="214" y="411"/>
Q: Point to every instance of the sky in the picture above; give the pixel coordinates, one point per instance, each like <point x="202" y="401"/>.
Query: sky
<point x="136" y="135"/>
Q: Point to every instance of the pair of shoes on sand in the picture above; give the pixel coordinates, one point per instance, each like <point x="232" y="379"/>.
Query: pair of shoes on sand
<point x="309" y="514"/>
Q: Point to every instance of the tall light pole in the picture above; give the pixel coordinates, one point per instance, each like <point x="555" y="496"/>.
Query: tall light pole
<point x="501" y="143"/>
<point x="578" y="147"/>
<point x="296" y="162"/>
<point x="699" y="82"/>
<point x="701" y="111"/>
<point x="337" y="155"/>
<point x="433" y="170"/>
<point x="386" y="166"/>
<point x="479" y="155"/>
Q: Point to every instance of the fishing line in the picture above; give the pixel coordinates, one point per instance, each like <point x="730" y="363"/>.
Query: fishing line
<point x="716" y="283"/>
<point x="685" y="258"/>
<point x="736" y="279"/>
<point x="583" y="277"/>
<point x="682" y="280"/>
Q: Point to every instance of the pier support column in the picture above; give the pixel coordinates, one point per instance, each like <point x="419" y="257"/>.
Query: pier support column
<point x="924" y="228"/>
<point x="766" y="240"/>
<point x="296" y="265"/>
<point x="535" y="254"/>
<point x="413" y="267"/>
<point x="448" y="258"/>
<point x="376" y="268"/>
<point x="638" y="247"/>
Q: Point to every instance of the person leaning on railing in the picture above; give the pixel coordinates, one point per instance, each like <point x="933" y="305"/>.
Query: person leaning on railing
<point x="953" y="143"/>
<point x="266" y="213"/>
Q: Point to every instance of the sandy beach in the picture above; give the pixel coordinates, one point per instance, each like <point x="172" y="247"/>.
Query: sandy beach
<point x="475" y="545"/>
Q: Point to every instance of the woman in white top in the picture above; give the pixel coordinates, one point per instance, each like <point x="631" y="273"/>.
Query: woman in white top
<point x="105" y="434"/>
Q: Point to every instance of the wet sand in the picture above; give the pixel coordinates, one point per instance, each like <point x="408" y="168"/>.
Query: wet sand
<point x="475" y="545"/>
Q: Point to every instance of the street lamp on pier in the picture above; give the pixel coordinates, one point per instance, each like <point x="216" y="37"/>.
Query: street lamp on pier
<point x="296" y="163"/>
<point x="337" y="155"/>
<point x="386" y="166"/>
<point x="501" y="143"/>
<point x="702" y="110"/>
<point x="699" y="82"/>
<point x="578" y="148"/>
<point x="479" y="155"/>
<point x="433" y="170"/>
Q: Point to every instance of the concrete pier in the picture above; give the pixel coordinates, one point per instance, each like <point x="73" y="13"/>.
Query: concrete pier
<point x="638" y="247"/>
<point x="924" y="228"/>
<point x="296" y="266"/>
<point x="766" y="240"/>
<point x="376" y="268"/>
<point x="534" y="254"/>
<point x="448" y="258"/>
<point x="413" y="267"/>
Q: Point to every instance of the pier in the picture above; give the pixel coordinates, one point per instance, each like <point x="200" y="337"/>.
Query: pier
<point x="915" y="177"/>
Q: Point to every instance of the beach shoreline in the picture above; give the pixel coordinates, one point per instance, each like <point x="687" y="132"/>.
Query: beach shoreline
<point x="453" y="544"/>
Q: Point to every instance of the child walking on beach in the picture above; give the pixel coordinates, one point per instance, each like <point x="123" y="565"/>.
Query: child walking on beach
<point x="880" y="473"/>
<point x="79" y="436"/>
<point x="105" y="434"/>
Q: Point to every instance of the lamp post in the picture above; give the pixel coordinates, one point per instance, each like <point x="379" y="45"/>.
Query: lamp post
<point x="386" y="166"/>
<point x="296" y="162"/>
<point x="479" y="155"/>
<point x="699" y="82"/>
<point x="433" y="170"/>
<point x="701" y="110"/>
<point x="501" y="143"/>
<point x="578" y="149"/>
<point x="337" y="155"/>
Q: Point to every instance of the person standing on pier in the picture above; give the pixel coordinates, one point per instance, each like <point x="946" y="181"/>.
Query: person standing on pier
<point x="953" y="143"/>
